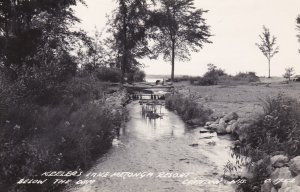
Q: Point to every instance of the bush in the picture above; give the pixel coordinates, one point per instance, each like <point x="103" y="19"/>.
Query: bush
<point x="136" y="76"/>
<point x="82" y="89"/>
<point x="109" y="74"/>
<point x="211" y="77"/>
<point x="35" y="86"/>
<point x="183" y="78"/>
<point x="215" y="76"/>
<point x="218" y="76"/>
<point x="276" y="131"/>
<point x="187" y="108"/>
<point x="69" y="135"/>
<point x="289" y="72"/>
<point x="78" y="89"/>
<point x="53" y="138"/>
<point x="248" y="77"/>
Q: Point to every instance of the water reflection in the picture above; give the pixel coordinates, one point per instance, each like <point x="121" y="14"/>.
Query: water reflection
<point x="160" y="145"/>
<point x="166" y="126"/>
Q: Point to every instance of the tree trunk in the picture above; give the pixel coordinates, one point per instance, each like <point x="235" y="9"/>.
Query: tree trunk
<point x="6" y="40"/>
<point x="123" y="69"/>
<point x="173" y="60"/>
<point x="124" y="58"/>
<point x="269" y="60"/>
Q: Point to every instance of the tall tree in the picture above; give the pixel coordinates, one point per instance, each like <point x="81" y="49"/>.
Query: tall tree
<point x="268" y="46"/>
<point x="129" y="33"/>
<point x="92" y="54"/>
<point x="181" y="30"/>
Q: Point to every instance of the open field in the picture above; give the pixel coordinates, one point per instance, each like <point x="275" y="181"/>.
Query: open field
<point x="245" y="100"/>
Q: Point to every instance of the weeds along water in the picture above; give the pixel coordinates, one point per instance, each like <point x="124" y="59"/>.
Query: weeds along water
<point x="69" y="130"/>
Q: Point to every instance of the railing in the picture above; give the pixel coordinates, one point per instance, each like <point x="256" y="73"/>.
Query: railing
<point x="147" y="96"/>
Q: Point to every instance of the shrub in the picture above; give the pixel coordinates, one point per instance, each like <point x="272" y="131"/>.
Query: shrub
<point x="54" y="138"/>
<point x="136" y="76"/>
<point x="82" y="89"/>
<point x="276" y="131"/>
<point x="78" y="89"/>
<point x="196" y="81"/>
<point x="218" y="76"/>
<point x="211" y="77"/>
<point x="248" y="77"/>
<point x="187" y="108"/>
<point x="68" y="135"/>
<point x="182" y="78"/>
<point x="289" y="72"/>
<point x="215" y="76"/>
<point x="109" y="74"/>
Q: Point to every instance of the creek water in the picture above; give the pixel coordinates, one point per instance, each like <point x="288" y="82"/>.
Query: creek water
<point x="171" y="156"/>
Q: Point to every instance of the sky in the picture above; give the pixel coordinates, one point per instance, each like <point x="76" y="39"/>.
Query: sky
<point x="236" y="26"/>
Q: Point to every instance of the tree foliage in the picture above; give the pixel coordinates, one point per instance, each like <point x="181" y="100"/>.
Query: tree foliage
<point x="129" y="27"/>
<point x="298" y="28"/>
<point x="212" y="76"/>
<point x="181" y="29"/>
<point x="92" y="53"/>
<point x="268" y="45"/>
<point x="289" y="72"/>
<point x="33" y="34"/>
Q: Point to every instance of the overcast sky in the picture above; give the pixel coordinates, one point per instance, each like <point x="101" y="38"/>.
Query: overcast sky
<point x="236" y="26"/>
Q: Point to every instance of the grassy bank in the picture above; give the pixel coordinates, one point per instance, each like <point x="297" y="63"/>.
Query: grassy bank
<point x="270" y="142"/>
<point x="266" y="131"/>
<point x="66" y="127"/>
<point x="188" y="109"/>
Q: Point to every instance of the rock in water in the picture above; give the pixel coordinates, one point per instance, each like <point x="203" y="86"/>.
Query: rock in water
<point x="231" y="116"/>
<point x="213" y="126"/>
<point x="232" y="122"/>
<point x="221" y="128"/>
<point x="207" y="124"/>
<point x="231" y="128"/>
<point x="228" y="129"/>
<point x="279" y="161"/>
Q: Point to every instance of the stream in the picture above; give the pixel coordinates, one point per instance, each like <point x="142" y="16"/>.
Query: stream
<point x="159" y="156"/>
